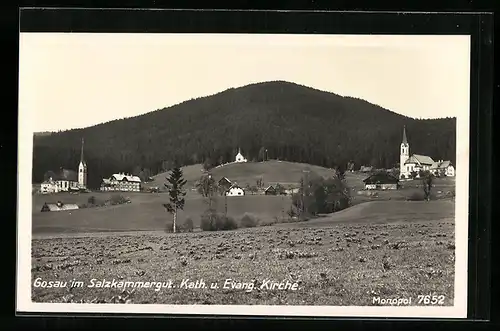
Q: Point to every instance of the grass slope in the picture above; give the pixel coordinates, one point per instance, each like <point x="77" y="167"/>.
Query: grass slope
<point x="271" y="172"/>
<point x="378" y="212"/>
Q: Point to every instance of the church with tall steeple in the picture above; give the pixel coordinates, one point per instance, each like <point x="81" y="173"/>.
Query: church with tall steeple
<point x="82" y="170"/>
<point x="404" y="153"/>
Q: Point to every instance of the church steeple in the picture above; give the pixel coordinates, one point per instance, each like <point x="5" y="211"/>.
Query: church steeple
<point x="82" y="171"/>
<point x="81" y="154"/>
<point x="404" y="135"/>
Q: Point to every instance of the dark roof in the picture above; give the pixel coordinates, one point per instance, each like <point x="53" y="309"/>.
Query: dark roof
<point x="63" y="174"/>
<point x="381" y="178"/>
<point x="225" y="179"/>
<point x="405" y="141"/>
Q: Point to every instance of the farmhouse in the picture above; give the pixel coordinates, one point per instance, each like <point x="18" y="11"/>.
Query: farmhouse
<point x="63" y="181"/>
<point x="121" y="182"/>
<point x="381" y="181"/>
<point x="239" y="157"/>
<point x="270" y="191"/>
<point x="444" y="168"/>
<point x="59" y="206"/>
<point x="235" y="191"/>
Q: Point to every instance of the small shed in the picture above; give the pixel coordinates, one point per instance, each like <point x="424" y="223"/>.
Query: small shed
<point x="59" y="206"/>
<point x="381" y="181"/>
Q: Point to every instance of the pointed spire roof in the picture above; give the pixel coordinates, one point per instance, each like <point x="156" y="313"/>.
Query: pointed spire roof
<point x="405" y="141"/>
<point x="81" y="154"/>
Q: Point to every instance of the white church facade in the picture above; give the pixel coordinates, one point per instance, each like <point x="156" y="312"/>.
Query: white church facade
<point x="239" y="157"/>
<point x="416" y="163"/>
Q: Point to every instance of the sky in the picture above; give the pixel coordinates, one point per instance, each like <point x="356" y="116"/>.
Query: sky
<point x="76" y="80"/>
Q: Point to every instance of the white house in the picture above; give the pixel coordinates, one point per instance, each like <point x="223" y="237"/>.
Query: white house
<point x="121" y="182"/>
<point x="235" y="191"/>
<point x="239" y="157"/>
<point x="63" y="181"/>
<point x="443" y="167"/>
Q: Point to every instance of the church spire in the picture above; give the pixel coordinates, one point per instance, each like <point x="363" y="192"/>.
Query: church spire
<point x="81" y="154"/>
<point x="404" y="135"/>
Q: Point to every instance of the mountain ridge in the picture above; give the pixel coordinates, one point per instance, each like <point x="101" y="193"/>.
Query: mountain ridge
<point x="294" y="122"/>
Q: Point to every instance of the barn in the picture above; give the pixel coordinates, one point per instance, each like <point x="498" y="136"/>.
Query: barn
<point x="59" y="206"/>
<point x="381" y="181"/>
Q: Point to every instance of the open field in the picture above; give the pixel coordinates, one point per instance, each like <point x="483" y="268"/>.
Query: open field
<point x="339" y="264"/>
<point x="146" y="212"/>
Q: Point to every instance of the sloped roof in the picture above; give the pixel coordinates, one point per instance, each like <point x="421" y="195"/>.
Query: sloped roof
<point x="63" y="174"/>
<point x="55" y="207"/>
<point x="129" y="178"/>
<point x="235" y="186"/>
<point x="224" y="178"/>
<point x="381" y="178"/>
<point x="441" y="165"/>
<point x="270" y="187"/>
<point x="420" y="159"/>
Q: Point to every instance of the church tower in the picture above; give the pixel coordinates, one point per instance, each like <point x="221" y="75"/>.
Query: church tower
<point x="82" y="171"/>
<point x="404" y="153"/>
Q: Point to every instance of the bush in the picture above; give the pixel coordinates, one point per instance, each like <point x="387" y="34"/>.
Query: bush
<point x="249" y="221"/>
<point x="416" y="196"/>
<point x="91" y="200"/>
<point x="187" y="226"/>
<point x="212" y="221"/>
<point x="117" y="199"/>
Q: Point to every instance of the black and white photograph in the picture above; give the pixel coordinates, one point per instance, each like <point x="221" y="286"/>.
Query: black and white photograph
<point x="252" y="174"/>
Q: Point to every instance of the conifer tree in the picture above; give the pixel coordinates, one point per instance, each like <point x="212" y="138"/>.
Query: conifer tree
<point x="175" y="185"/>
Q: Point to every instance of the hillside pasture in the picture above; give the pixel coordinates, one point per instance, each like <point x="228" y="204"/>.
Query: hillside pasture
<point x="271" y="172"/>
<point x="381" y="212"/>
<point x="146" y="212"/>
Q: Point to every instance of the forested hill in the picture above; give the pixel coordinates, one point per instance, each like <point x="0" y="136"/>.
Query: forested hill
<point x="293" y="122"/>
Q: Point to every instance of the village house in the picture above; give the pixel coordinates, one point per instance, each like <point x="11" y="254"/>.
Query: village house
<point x="235" y="191"/>
<point x="444" y="168"/>
<point x="381" y="181"/>
<point x="59" y="206"/>
<point x="121" y="182"/>
<point x="416" y="162"/>
<point x="239" y="157"/>
<point x="270" y="190"/>
<point x="63" y="181"/>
